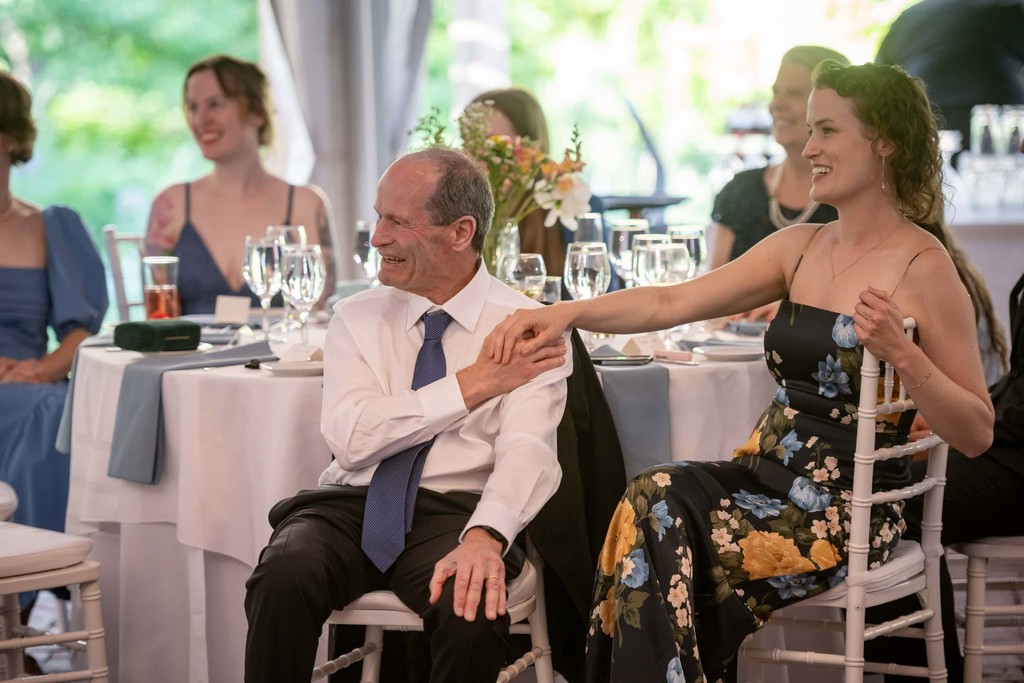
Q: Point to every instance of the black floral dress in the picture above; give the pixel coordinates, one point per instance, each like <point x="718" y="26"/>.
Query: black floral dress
<point x="699" y="554"/>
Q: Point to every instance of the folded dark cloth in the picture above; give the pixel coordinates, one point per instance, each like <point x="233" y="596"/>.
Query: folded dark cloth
<point x="158" y="335"/>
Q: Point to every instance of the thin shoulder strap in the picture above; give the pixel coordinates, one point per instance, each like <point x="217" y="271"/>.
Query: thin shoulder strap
<point x="905" y="270"/>
<point x="188" y="202"/>
<point x="806" y="247"/>
<point x="291" y="196"/>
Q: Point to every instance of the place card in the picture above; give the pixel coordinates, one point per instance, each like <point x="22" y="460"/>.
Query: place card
<point x="232" y="310"/>
<point x="642" y="344"/>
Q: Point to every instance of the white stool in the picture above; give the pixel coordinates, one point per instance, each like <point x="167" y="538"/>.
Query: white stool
<point x="34" y="559"/>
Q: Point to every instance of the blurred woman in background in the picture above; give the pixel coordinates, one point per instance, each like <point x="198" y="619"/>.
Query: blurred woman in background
<point x="205" y="222"/>
<point x="52" y="281"/>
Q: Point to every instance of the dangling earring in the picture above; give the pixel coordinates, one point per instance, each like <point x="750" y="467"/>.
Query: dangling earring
<point x="883" y="172"/>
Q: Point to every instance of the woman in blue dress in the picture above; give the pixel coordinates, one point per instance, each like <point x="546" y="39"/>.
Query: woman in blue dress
<point x="699" y="554"/>
<point x="205" y="222"/>
<point x="51" y="279"/>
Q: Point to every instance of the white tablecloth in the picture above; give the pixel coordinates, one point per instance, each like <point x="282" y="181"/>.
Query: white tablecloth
<point x="175" y="556"/>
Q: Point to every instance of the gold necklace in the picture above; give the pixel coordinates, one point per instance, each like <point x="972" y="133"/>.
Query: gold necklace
<point x="832" y="254"/>
<point x="775" y="211"/>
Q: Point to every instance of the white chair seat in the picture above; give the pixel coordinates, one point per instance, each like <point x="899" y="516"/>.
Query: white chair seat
<point x="25" y="550"/>
<point x="8" y="501"/>
<point x="520" y="592"/>
<point x="905" y="564"/>
<point x="380" y="611"/>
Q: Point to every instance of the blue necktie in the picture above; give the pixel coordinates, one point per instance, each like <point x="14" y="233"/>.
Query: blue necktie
<point x="391" y="497"/>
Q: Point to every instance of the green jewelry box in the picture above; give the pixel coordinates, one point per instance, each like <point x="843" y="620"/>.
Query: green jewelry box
<point x="157" y="335"/>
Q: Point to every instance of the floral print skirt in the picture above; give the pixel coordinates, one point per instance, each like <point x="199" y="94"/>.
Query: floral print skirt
<point x="698" y="555"/>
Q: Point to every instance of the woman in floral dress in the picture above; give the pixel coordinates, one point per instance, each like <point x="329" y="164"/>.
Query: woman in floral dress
<point x="699" y="554"/>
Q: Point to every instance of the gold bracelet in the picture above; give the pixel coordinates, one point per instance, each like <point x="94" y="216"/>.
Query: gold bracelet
<point x="925" y="379"/>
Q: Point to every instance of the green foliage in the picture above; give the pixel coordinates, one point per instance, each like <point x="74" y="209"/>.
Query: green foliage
<point x="106" y="79"/>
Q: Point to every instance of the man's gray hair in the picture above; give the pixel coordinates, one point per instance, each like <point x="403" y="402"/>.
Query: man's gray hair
<point x="462" y="189"/>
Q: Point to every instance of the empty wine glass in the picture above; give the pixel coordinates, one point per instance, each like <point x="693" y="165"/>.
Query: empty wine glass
<point x="640" y="244"/>
<point x="589" y="228"/>
<point x="695" y="239"/>
<point x="262" y="273"/>
<point x="286" y="235"/>
<point x="303" y="277"/>
<point x="621" y="249"/>
<point x="365" y="255"/>
<point x="661" y="265"/>
<point x="527" y="273"/>
<point x="587" y="273"/>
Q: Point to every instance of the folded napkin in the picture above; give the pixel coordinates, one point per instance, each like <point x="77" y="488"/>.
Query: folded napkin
<point x="157" y="335"/>
<point x="137" y="451"/>
<point x="638" y="399"/>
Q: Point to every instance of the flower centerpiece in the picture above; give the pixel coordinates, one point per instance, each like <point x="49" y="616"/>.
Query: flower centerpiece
<point x="522" y="178"/>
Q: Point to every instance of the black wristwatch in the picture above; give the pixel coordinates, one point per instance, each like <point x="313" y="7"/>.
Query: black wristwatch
<point x="496" y="535"/>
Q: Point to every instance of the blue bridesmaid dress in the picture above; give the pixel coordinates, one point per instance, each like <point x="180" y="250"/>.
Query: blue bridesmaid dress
<point x="69" y="293"/>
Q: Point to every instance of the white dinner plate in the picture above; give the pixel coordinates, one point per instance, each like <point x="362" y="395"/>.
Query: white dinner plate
<point x="730" y="352"/>
<point x="296" y="368"/>
<point x="203" y="346"/>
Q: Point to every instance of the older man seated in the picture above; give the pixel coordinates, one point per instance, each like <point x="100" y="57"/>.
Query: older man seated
<point x="430" y="484"/>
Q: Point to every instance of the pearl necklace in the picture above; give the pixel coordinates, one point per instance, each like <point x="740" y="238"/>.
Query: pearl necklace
<point x="775" y="211"/>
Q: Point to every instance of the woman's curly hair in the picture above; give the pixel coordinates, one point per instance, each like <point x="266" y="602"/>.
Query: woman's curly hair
<point x="894" y="106"/>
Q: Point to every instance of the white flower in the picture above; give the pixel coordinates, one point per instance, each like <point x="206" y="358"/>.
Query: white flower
<point x="565" y="199"/>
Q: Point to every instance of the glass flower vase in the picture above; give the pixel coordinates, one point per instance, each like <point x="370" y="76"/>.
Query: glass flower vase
<point x="501" y="245"/>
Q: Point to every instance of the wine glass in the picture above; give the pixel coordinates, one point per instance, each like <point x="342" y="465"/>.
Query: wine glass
<point x="303" y="277"/>
<point x="587" y="274"/>
<point x="286" y="235"/>
<point x="663" y="264"/>
<point x="695" y="239"/>
<point x="262" y="273"/>
<point x="640" y="244"/>
<point x="365" y="255"/>
<point x="589" y="228"/>
<point x="621" y="250"/>
<point x="527" y="273"/>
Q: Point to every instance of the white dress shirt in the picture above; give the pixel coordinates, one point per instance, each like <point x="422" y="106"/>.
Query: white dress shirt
<point x="504" y="449"/>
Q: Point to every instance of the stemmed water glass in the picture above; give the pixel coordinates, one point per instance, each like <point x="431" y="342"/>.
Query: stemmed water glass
<point x="364" y="255"/>
<point x="621" y="249"/>
<point x="640" y="244"/>
<point x="695" y="239"/>
<point x="587" y="272"/>
<point x="589" y="228"/>
<point x="287" y="235"/>
<point x="527" y="274"/>
<point x="262" y="273"/>
<point x="663" y="264"/>
<point x="303" y="277"/>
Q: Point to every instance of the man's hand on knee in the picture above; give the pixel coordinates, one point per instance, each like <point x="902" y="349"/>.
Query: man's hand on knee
<point x="476" y="565"/>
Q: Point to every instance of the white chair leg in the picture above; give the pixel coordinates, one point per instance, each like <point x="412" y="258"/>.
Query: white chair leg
<point x="854" y="645"/>
<point x="974" y="641"/>
<point x="543" y="667"/>
<point x="371" y="663"/>
<point x="11" y="619"/>
<point x="933" y="644"/>
<point x="92" y="618"/>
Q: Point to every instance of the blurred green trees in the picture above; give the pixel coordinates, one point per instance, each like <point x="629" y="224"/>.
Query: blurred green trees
<point x="106" y="80"/>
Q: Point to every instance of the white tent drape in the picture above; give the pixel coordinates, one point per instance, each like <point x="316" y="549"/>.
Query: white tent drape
<point x="353" y="68"/>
